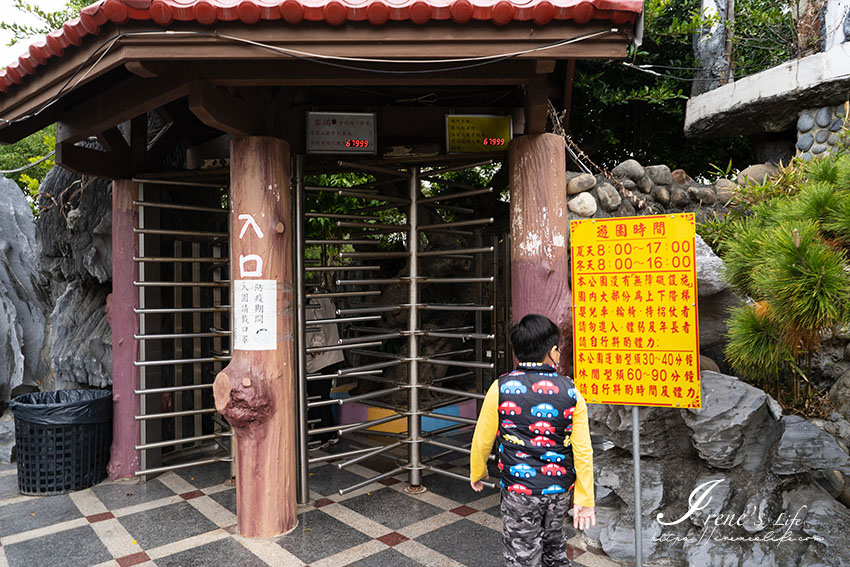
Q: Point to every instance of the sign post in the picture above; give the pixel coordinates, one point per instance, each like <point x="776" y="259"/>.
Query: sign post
<point x="636" y="335"/>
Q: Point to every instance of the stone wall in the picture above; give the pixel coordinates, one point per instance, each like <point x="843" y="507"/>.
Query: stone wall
<point x="650" y="190"/>
<point x="819" y="130"/>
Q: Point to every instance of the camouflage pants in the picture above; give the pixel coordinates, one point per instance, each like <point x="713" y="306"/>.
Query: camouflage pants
<point x="532" y="530"/>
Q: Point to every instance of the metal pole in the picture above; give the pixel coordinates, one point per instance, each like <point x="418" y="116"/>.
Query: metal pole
<point x="636" y="459"/>
<point x="301" y="360"/>
<point x="415" y="477"/>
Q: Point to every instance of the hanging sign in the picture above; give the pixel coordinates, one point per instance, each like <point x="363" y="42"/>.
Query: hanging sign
<point x="254" y="314"/>
<point x="341" y="133"/>
<point x="470" y="133"/>
<point x="635" y="330"/>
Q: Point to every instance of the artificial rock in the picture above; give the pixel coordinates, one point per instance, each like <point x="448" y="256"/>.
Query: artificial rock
<point x="757" y="174"/>
<point x="659" y="174"/>
<point x="823" y="117"/>
<point x="839" y="393"/>
<point x="609" y="198"/>
<point x="23" y="295"/>
<point x="581" y="183"/>
<point x="661" y="195"/>
<point x="703" y="195"/>
<point x="630" y="169"/>
<point x="711" y="272"/>
<point x="583" y="205"/>
<point x="805" y="122"/>
<point x="679" y="198"/>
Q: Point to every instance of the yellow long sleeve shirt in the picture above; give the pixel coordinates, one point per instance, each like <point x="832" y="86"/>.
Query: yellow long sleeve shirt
<point x="487" y="429"/>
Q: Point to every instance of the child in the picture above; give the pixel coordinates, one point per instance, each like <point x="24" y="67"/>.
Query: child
<point x="538" y="414"/>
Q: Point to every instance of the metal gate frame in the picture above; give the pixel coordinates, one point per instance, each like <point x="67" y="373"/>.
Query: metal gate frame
<point x="414" y="439"/>
<point x="151" y="333"/>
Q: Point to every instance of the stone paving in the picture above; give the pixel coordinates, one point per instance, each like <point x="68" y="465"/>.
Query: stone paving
<point x="188" y="518"/>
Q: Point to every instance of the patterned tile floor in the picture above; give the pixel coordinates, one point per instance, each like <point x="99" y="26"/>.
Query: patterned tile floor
<point x="188" y="518"/>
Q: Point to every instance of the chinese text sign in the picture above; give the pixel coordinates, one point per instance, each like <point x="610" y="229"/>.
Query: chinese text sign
<point x="635" y="330"/>
<point x="341" y="133"/>
<point x="255" y="314"/>
<point x="469" y="133"/>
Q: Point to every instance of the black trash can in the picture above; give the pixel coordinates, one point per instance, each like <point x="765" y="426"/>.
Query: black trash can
<point x="62" y="439"/>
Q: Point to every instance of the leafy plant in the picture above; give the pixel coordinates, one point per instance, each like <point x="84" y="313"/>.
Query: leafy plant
<point x="47" y="21"/>
<point x="788" y="253"/>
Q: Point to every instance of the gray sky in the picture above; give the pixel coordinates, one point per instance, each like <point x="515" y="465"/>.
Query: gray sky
<point x="10" y="14"/>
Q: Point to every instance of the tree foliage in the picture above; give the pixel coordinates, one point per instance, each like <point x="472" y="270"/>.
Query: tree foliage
<point x="787" y="250"/>
<point x="40" y="144"/>
<point x="47" y="21"/>
<point x="622" y="112"/>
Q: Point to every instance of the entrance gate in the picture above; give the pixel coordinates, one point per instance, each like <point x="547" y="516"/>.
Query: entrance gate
<point x="183" y="314"/>
<point x="377" y="265"/>
<point x="409" y="367"/>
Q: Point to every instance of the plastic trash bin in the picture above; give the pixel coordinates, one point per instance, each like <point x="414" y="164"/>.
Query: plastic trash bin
<point x="62" y="439"/>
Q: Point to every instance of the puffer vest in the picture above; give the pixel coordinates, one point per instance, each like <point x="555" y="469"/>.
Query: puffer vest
<point x="536" y="406"/>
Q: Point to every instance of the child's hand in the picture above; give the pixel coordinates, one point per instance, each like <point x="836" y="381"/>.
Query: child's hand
<point x="583" y="517"/>
<point x="478" y="486"/>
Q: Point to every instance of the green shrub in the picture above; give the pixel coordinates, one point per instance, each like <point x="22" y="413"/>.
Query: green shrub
<point x="754" y="347"/>
<point x="788" y="253"/>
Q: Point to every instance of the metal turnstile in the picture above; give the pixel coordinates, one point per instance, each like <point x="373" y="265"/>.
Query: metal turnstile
<point x="184" y="317"/>
<point x="410" y="217"/>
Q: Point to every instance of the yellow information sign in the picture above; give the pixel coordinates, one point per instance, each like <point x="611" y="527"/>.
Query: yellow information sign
<point x="470" y="133"/>
<point x="635" y="330"/>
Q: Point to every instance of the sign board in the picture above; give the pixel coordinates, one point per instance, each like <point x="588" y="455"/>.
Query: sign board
<point x="254" y="314"/>
<point x="635" y="331"/>
<point x="341" y="133"/>
<point x="470" y="133"/>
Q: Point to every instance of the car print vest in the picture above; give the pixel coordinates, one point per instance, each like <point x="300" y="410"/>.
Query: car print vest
<point x="536" y="406"/>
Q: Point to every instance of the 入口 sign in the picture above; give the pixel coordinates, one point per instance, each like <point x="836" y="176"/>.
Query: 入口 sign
<point x="636" y="336"/>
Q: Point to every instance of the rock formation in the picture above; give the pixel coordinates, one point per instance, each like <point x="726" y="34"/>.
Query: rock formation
<point x="762" y="470"/>
<point x="23" y="297"/>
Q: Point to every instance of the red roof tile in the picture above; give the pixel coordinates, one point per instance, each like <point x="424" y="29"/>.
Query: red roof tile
<point x="334" y="12"/>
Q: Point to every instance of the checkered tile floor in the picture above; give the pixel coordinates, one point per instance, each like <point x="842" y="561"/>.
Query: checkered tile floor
<point x="188" y="518"/>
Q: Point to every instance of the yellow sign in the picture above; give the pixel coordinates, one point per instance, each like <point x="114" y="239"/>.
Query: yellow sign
<point x="469" y="133"/>
<point x="635" y="330"/>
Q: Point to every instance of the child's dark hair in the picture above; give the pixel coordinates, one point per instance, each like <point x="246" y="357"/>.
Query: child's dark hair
<point x="533" y="337"/>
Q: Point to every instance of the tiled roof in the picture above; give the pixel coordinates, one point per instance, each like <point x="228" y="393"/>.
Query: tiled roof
<point x="333" y="12"/>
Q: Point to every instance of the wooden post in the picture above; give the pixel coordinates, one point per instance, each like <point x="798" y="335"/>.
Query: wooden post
<point x="124" y="460"/>
<point x="540" y="267"/>
<point x="255" y="392"/>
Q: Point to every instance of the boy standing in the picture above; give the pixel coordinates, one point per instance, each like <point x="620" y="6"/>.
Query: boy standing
<point x="544" y="449"/>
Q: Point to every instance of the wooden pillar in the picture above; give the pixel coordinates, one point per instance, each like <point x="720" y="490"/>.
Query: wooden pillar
<point x="124" y="460"/>
<point x="256" y="392"/>
<point x="540" y="267"/>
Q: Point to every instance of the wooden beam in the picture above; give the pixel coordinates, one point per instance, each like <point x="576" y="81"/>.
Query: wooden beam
<point x="217" y="108"/>
<point x="113" y="140"/>
<point x="536" y="105"/>
<point x="138" y="141"/>
<point x="568" y="93"/>
<point x="87" y="161"/>
<point x="121" y="103"/>
<point x="141" y="69"/>
<point x="139" y="54"/>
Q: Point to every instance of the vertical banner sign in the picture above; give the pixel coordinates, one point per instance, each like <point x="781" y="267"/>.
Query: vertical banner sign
<point x="636" y="337"/>
<point x="254" y="300"/>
